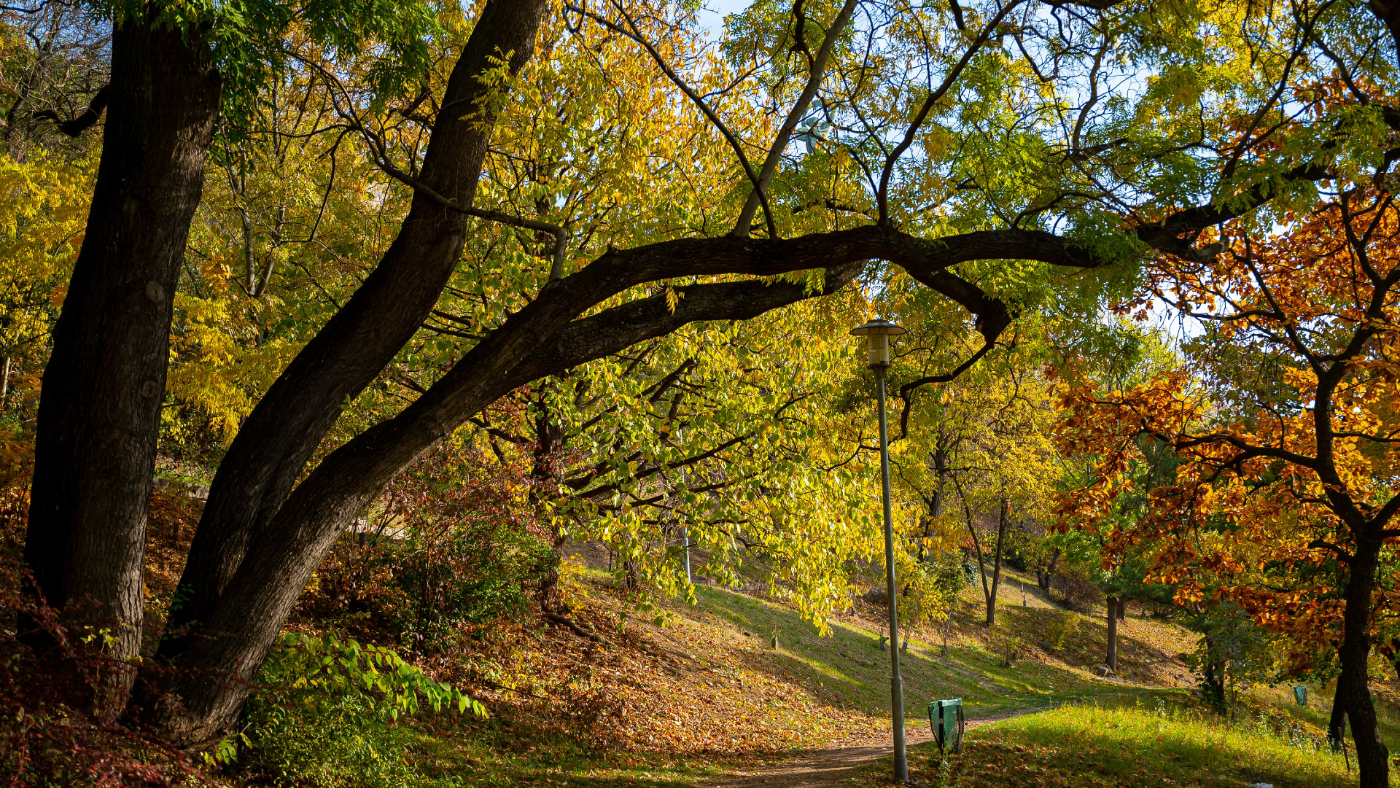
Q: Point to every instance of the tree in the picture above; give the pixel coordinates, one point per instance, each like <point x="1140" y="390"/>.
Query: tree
<point x="970" y="171"/>
<point x="980" y="445"/>
<point x="1287" y="444"/>
<point x="732" y="434"/>
<point x="101" y="397"/>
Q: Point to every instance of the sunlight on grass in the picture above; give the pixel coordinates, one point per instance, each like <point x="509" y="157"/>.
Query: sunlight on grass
<point x="856" y="669"/>
<point x="1087" y="745"/>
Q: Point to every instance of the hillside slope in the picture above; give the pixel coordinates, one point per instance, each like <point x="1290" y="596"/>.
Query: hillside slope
<point x="614" y="697"/>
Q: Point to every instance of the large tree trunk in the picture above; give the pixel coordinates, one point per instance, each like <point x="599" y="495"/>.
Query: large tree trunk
<point x="289" y="422"/>
<point x="277" y="440"/>
<point x="209" y="684"/>
<point x="260" y="540"/>
<point x="1372" y="758"/>
<point x="105" y="381"/>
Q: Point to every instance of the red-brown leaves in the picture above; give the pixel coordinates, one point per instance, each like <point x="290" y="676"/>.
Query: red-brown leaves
<point x="1281" y="421"/>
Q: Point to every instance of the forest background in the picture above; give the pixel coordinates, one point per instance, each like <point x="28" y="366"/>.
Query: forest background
<point x="419" y="295"/>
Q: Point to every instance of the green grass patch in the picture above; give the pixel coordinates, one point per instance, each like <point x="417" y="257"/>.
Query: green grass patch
<point x="1319" y="709"/>
<point x="851" y="665"/>
<point x="1159" y="744"/>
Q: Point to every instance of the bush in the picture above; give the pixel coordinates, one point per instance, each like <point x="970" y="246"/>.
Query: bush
<point x="1077" y="589"/>
<point x="450" y="549"/>
<point x="1063" y="629"/>
<point x="46" y="735"/>
<point x="323" y="714"/>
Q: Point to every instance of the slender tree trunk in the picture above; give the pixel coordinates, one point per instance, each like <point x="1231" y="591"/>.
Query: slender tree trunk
<point x="1213" y="672"/>
<point x="1112" y="658"/>
<point x="1336" y="725"/>
<point x="1372" y="757"/>
<point x="1122" y="609"/>
<point x="1046" y="571"/>
<point x="102" y="389"/>
<point x="549" y="443"/>
<point x="981" y="562"/>
<point x="935" y="502"/>
<point x="996" y="567"/>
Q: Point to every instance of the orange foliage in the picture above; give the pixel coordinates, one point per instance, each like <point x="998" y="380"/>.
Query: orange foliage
<point x="1283" y="418"/>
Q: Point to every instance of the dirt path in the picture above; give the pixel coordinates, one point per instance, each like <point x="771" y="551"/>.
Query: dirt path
<point x="819" y="768"/>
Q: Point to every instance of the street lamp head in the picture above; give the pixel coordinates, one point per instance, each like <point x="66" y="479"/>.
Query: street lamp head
<point x="877" y="343"/>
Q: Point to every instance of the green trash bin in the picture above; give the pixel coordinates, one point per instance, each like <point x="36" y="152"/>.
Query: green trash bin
<point x="1300" y="694"/>
<point x="946" y="718"/>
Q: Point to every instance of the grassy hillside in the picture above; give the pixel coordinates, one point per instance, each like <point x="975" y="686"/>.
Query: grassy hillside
<point x="850" y="667"/>
<point x="615" y="698"/>
<point x="705" y="692"/>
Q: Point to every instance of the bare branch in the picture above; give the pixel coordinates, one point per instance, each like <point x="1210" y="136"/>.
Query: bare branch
<point x="814" y="79"/>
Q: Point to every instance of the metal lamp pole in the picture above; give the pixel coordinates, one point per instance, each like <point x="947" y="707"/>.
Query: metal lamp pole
<point x="877" y="333"/>
<point x="685" y="527"/>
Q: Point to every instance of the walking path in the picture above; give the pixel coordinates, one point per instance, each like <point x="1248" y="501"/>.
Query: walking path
<point x="819" y="768"/>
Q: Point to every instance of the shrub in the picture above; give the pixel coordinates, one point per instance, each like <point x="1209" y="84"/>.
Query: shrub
<point x="1008" y="647"/>
<point x="47" y="737"/>
<point x="323" y="713"/>
<point x="1077" y="589"/>
<point x="450" y="549"/>
<point x="1063" y="628"/>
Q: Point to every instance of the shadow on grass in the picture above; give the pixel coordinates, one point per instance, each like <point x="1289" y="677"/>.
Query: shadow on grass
<point x="850" y="669"/>
<point x="497" y="753"/>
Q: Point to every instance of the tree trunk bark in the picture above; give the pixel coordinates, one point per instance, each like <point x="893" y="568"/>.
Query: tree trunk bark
<point x="1213" y="673"/>
<point x="102" y="390"/>
<point x="1336" y="725"/>
<point x="1111" y="659"/>
<point x="1045" y="572"/>
<point x="279" y="437"/>
<point x="996" y="568"/>
<point x="1372" y="757"/>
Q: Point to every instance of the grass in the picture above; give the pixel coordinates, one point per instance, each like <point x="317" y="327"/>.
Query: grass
<point x="852" y="669"/>
<point x="505" y="754"/>
<point x="1162" y="743"/>
<point x="707" y="693"/>
<point x="1316" y="713"/>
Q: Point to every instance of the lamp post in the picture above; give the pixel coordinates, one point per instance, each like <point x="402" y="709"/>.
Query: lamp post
<point x="685" y="527"/>
<point x="877" y="335"/>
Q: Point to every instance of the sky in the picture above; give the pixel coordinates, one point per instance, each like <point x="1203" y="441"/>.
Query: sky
<point x="712" y="13"/>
